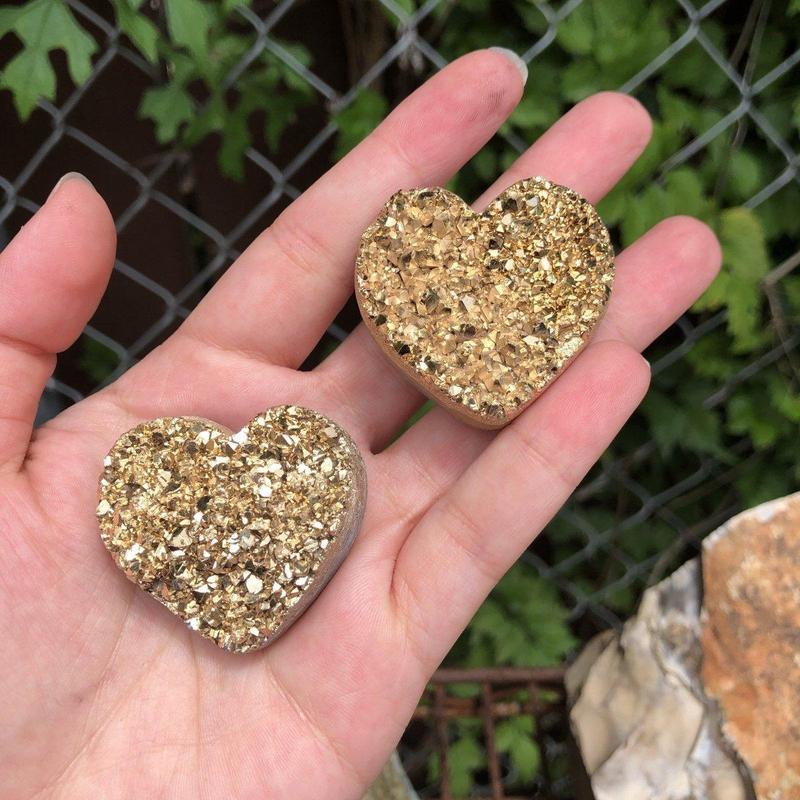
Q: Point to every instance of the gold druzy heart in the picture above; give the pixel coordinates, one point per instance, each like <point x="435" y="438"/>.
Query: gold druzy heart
<point x="484" y="311"/>
<point x="236" y="533"/>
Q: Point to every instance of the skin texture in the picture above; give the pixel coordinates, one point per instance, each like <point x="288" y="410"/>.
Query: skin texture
<point x="105" y="693"/>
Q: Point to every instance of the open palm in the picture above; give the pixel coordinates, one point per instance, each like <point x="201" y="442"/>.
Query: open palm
<point x="108" y="695"/>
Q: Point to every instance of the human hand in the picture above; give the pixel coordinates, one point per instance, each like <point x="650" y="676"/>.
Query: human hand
<point x="106" y="694"/>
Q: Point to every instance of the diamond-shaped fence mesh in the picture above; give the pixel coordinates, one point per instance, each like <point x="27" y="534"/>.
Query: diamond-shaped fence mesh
<point x="172" y="199"/>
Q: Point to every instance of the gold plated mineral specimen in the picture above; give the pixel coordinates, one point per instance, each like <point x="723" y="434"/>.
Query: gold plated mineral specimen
<point x="235" y="533"/>
<point x="484" y="311"/>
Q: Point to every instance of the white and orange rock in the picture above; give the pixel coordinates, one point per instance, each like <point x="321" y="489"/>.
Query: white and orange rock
<point x="699" y="697"/>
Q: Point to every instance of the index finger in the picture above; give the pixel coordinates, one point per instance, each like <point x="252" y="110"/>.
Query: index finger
<point x="296" y="276"/>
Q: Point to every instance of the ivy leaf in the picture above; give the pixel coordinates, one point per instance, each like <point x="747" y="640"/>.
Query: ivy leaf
<point x="188" y="22"/>
<point x="43" y="26"/>
<point x="169" y="107"/>
<point x="138" y="28"/>
<point x="29" y="76"/>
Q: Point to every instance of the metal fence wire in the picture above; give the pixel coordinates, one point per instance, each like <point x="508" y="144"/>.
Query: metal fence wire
<point x="148" y="192"/>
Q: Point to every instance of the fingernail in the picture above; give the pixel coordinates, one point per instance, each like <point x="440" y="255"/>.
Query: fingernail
<point x="70" y="176"/>
<point x="521" y="66"/>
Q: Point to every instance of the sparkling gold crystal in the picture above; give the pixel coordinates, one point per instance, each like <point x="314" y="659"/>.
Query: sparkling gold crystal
<point x="234" y="533"/>
<point x="485" y="310"/>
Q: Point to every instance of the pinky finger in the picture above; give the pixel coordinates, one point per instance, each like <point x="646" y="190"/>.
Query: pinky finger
<point x="52" y="276"/>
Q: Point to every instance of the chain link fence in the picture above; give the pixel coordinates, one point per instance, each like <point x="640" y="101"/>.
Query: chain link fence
<point x="164" y="184"/>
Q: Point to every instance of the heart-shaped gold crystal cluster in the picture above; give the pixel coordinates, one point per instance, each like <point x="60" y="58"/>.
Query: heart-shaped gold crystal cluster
<point x="484" y="311"/>
<point x="234" y="533"/>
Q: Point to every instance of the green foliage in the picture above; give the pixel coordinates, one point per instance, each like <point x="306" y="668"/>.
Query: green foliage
<point x="737" y="288"/>
<point x="200" y="50"/>
<point x="138" y="28"/>
<point x="43" y="26"/>
<point x="522" y="623"/>
<point x="197" y="43"/>
<point x="359" y="119"/>
<point x="97" y="360"/>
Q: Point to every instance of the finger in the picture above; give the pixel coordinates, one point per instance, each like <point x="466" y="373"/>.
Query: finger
<point x="589" y="149"/>
<point x="658" y="277"/>
<point x="298" y="273"/>
<point x="475" y="532"/>
<point x="52" y="276"/>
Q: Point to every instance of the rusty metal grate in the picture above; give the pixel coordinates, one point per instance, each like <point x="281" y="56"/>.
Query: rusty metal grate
<point x="500" y="693"/>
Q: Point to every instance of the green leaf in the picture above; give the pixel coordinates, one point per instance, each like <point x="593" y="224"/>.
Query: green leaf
<point x="693" y="69"/>
<point x="169" y="107"/>
<point x="235" y="141"/>
<point x="515" y="737"/>
<point x="746" y="416"/>
<point x="703" y="431"/>
<point x="761" y="485"/>
<point x="281" y="112"/>
<point x="576" y="33"/>
<point x="43" y="26"/>
<point x="650" y="207"/>
<point x="138" y="28"/>
<point x="582" y="78"/>
<point x="485" y="164"/>
<point x="744" y="176"/>
<point x="737" y="287"/>
<point x="464" y="758"/>
<point x="711" y="357"/>
<point x="685" y="193"/>
<point x="97" y="360"/>
<point x="535" y="110"/>
<point x="522" y="623"/>
<point x="408" y="7"/>
<point x="359" y="119"/>
<point x="784" y="398"/>
<point x="665" y="419"/>
<point x="30" y="77"/>
<point x="188" y="22"/>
